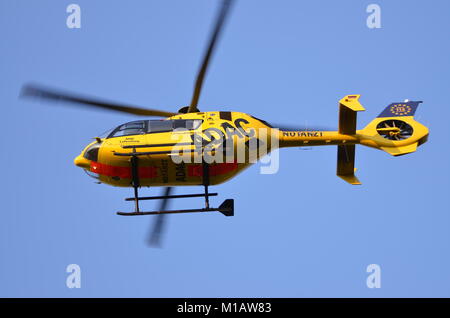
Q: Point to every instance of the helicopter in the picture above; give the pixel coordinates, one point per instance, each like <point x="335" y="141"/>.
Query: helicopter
<point x="205" y="148"/>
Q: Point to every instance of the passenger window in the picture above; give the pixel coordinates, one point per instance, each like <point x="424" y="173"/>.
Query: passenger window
<point x="155" y="126"/>
<point x="190" y="124"/>
<point x="193" y="124"/>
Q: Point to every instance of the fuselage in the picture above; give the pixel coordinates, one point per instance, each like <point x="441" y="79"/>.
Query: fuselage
<point x="173" y="151"/>
<point x="187" y="135"/>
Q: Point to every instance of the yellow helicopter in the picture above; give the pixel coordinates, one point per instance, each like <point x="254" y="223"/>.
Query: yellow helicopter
<point x="194" y="148"/>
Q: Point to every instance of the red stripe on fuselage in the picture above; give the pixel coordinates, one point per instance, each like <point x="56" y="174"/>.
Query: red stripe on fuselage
<point x="122" y="172"/>
<point x="214" y="170"/>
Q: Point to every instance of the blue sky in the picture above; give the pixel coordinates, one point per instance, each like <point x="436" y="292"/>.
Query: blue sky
<point x="302" y="232"/>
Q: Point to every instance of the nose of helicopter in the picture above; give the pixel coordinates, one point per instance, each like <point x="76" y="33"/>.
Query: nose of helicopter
<point x="88" y="155"/>
<point x="82" y="162"/>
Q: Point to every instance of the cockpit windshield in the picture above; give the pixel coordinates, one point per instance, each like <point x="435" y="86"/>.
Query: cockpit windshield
<point x="141" y="127"/>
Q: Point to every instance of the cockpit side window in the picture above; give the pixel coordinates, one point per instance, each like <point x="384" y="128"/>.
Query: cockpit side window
<point x="154" y="126"/>
<point x="131" y="128"/>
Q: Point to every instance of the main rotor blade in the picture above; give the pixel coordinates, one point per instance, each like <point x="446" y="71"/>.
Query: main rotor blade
<point x="35" y="91"/>
<point x="226" y="4"/>
<point x="155" y="235"/>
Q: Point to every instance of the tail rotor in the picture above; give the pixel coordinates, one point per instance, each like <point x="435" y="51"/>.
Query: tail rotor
<point x="393" y="129"/>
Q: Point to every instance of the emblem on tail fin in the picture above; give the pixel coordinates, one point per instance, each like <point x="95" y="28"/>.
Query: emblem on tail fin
<point x="400" y="109"/>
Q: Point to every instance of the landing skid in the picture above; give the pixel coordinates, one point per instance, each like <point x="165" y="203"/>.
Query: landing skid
<point x="226" y="208"/>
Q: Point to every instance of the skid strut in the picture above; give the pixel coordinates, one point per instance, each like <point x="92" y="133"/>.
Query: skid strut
<point x="206" y="182"/>
<point x="135" y="180"/>
<point x="177" y="196"/>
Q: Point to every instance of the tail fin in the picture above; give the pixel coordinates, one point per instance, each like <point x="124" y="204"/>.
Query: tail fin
<point x="407" y="108"/>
